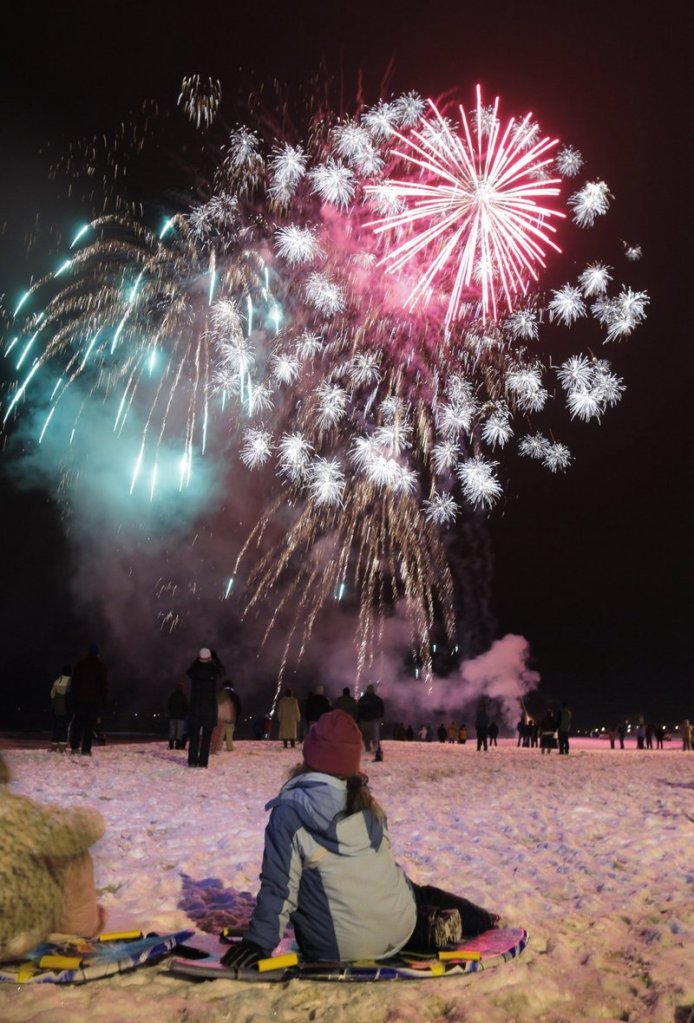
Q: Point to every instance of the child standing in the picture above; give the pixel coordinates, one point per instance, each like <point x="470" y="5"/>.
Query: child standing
<point x="328" y="867"/>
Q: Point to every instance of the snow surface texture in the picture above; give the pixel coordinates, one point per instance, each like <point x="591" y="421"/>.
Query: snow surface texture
<point x="591" y="852"/>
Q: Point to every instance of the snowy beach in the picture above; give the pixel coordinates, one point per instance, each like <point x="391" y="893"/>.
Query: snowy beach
<point x="592" y="853"/>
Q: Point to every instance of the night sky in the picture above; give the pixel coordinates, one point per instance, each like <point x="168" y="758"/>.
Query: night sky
<point x="593" y="567"/>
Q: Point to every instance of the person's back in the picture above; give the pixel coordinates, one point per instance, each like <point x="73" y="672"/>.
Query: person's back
<point x="347" y="703"/>
<point x="89" y="684"/>
<point x="317" y="704"/>
<point x="203" y="675"/>
<point x="355" y="901"/>
<point x="370" y="706"/>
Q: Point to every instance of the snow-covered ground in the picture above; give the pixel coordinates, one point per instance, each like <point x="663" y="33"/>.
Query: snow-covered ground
<point x="592" y="853"/>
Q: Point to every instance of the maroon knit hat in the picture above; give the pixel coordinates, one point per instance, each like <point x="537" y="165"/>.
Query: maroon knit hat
<point x="333" y="744"/>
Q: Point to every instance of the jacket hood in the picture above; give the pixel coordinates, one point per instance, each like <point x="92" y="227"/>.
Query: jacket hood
<point x="319" y="801"/>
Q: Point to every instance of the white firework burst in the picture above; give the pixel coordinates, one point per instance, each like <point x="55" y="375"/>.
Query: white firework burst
<point x="287" y="167"/>
<point x="236" y="354"/>
<point x="332" y="405"/>
<point x="522" y="325"/>
<point x="591" y="201"/>
<point x="557" y="457"/>
<point x="444" y="455"/>
<point x="533" y="446"/>
<point x="441" y="509"/>
<point x="567" y="305"/>
<point x="324" y="294"/>
<point x="454" y="418"/>
<point x="393" y="438"/>
<point x="409" y="109"/>
<point x="608" y="387"/>
<point x="259" y="399"/>
<point x="285" y="368"/>
<point x="365" y="369"/>
<point x="594" y="279"/>
<point x="326" y="481"/>
<point x="353" y="143"/>
<point x="622" y="314"/>
<point x="308" y="346"/>
<point x="478" y="482"/>
<point x="497" y="430"/>
<point x="333" y="182"/>
<point x="584" y="405"/>
<point x="298" y="245"/>
<point x="576" y="373"/>
<point x="242" y="152"/>
<point x="294" y="457"/>
<point x="524" y="383"/>
<point x="633" y="252"/>
<point x="568" y="162"/>
<point x="226" y="319"/>
<point x="256" y="448"/>
<point x="380" y="120"/>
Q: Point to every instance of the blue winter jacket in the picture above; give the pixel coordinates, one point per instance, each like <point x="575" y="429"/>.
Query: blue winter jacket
<point x="333" y="876"/>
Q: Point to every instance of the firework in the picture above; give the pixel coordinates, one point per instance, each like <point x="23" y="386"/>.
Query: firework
<point x="374" y="370"/>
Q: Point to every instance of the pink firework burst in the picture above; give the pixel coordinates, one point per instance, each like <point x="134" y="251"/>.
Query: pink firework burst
<point x="474" y="220"/>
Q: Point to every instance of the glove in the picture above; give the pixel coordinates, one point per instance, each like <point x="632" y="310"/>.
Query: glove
<point x="243" y="955"/>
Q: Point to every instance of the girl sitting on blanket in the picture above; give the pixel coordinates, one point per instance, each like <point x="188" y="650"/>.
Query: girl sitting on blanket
<point x="328" y="868"/>
<point x="46" y="872"/>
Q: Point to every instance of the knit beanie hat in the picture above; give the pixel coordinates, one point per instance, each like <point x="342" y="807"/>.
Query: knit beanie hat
<point x="333" y="744"/>
<point x="205" y="654"/>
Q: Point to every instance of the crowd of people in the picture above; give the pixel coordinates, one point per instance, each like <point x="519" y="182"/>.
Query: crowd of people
<point x="204" y="709"/>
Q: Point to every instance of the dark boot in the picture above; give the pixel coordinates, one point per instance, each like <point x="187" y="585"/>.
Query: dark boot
<point x="171" y="744"/>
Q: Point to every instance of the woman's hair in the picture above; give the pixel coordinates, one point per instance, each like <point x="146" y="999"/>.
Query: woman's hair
<point x="358" y="793"/>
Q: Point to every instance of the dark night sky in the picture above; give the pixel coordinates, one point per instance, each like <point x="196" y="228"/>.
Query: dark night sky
<point x="593" y="567"/>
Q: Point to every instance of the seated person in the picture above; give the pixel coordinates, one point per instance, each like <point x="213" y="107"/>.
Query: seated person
<point x="328" y="867"/>
<point x="46" y="872"/>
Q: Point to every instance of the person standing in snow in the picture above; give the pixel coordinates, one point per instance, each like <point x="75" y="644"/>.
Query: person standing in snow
<point x="59" y="697"/>
<point x="347" y="703"/>
<point x="88" y="697"/>
<point x="317" y="704"/>
<point x="329" y="869"/>
<point x="202" y="715"/>
<point x="289" y="716"/>
<point x="493" y="733"/>
<point x="370" y="713"/>
<point x="564" y="728"/>
<point x="230" y="726"/>
<point x="482" y="726"/>
<point x="547" y="729"/>
<point x="685" y="728"/>
<point x="177" y="709"/>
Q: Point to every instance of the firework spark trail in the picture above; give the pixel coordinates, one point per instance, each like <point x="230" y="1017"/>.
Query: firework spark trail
<point x="378" y="366"/>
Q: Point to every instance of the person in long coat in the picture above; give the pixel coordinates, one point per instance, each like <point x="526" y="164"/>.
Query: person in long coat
<point x="202" y="714"/>
<point x="288" y="716"/>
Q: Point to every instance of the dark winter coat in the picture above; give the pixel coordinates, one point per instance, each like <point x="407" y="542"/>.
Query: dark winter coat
<point x="178" y="705"/>
<point x="370" y="707"/>
<point x="482" y="719"/>
<point x="203" y="676"/>
<point x="89" y="685"/>
<point x="317" y="704"/>
<point x="348" y="704"/>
